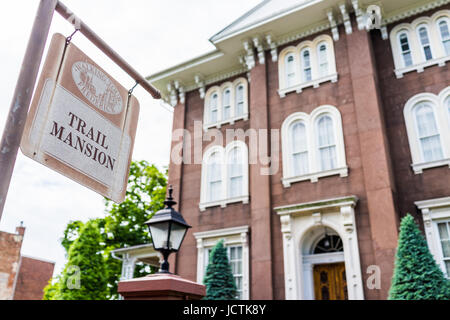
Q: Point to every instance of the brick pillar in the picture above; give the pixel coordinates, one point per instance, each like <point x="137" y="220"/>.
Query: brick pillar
<point x="176" y="168"/>
<point x="376" y="162"/>
<point x="261" y="235"/>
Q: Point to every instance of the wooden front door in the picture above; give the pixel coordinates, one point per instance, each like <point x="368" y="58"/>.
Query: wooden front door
<point x="330" y="282"/>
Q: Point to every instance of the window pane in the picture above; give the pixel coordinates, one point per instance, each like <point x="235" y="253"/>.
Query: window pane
<point x="406" y="52"/>
<point x="214" y="177"/>
<point x="445" y="36"/>
<point x="213" y="108"/>
<point x="447" y="267"/>
<point x="327" y="148"/>
<point x="290" y="71"/>
<point x="323" y="60"/>
<point x="226" y="104"/>
<point x="300" y="162"/>
<point x="306" y="62"/>
<point x="428" y="133"/>
<point x="443" y="231"/>
<point x="240" y="100"/>
<point x="424" y="40"/>
<point x="235" y="172"/>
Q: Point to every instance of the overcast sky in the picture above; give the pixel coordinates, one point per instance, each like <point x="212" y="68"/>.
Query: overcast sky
<point x="151" y="35"/>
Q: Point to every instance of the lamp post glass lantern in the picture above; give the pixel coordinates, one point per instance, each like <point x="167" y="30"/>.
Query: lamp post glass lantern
<point x="167" y="229"/>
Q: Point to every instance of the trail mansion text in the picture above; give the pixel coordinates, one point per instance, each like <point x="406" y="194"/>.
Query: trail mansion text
<point x="97" y="150"/>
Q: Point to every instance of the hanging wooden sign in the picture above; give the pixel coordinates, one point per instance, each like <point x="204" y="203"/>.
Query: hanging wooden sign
<point x="82" y="123"/>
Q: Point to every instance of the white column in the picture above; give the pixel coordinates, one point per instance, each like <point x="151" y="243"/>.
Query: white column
<point x="245" y="267"/>
<point x="351" y="254"/>
<point x="290" y="274"/>
<point x="430" y="235"/>
<point x="128" y="265"/>
<point x="200" y="260"/>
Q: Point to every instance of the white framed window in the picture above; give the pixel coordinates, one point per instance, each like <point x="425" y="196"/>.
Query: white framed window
<point x="308" y="64"/>
<point x="214" y="163"/>
<point x="326" y="143"/>
<point x="240" y="100"/>
<point x="423" y="43"/>
<point x="313" y="146"/>
<point x="290" y="70"/>
<point x="299" y="148"/>
<point x="436" y="219"/>
<point x="422" y="32"/>
<point x="405" y="49"/>
<point x="226" y="104"/>
<point x="428" y="132"/>
<point x="444" y="32"/>
<point x="323" y="59"/>
<point x="224" y="175"/>
<point x="428" y="128"/>
<point x="236" y="242"/>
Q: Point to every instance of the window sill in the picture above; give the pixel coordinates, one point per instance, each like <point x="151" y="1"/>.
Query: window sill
<point x="314" y="177"/>
<point x="313" y="83"/>
<point x="421" y="66"/>
<point x="221" y="123"/>
<point x="223" y="203"/>
<point x="419" y="167"/>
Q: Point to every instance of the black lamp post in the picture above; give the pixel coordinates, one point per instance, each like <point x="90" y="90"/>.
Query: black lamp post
<point x="167" y="229"/>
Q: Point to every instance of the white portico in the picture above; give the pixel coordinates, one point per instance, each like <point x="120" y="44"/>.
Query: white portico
<point x="131" y="255"/>
<point x="305" y="227"/>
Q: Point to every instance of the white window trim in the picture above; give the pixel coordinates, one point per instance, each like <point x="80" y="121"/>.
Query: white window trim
<point x="310" y="124"/>
<point x="231" y="236"/>
<point x="438" y="21"/>
<point x="440" y="57"/>
<point x="433" y="212"/>
<point x="433" y="54"/>
<point x="297" y="222"/>
<point x="224" y="199"/>
<point x="317" y="79"/>
<point x="443" y="125"/>
<point x="220" y="91"/>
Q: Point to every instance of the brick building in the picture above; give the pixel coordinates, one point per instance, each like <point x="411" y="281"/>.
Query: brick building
<point x="352" y="104"/>
<point x="21" y="277"/>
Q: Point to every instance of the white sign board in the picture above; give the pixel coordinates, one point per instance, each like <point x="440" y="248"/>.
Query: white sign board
<point x="82" y="122"/>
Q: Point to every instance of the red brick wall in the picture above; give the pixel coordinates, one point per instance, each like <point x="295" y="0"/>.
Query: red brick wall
<point x="432" y="183"/>
<point x="33" y="277"/>
<point x="10" y="245"/>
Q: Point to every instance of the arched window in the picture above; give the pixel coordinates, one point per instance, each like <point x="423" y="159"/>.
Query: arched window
<point x="306" y="65"/>
<point x="329" y="243"/>
<point x="428" y="133"/>
<point x="425" y="42"/>
<point x="235" y="173"/>
<point x="226" y="102"/>
<point x="405" y="49"/>
<point x="323" y="59"/>
<point x="299" y="149"/>
<point x="290" y="70"/>
<point x="213" y="108"/>
<point x="214" y="174"/>
<point x="239" y="100"/>
<point x="326" y="143"/>
<point x="445" y="34"/>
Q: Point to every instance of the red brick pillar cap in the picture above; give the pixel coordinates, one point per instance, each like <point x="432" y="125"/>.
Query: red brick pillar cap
<point x="161" y="286"/>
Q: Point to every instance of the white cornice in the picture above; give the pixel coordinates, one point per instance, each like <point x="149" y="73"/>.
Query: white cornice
<point x="433" y="203"/>
<point x="414" y="11"/>
<point x="317" y="205"/>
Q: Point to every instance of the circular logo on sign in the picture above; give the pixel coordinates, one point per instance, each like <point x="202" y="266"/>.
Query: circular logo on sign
<point x="97" y="87"/>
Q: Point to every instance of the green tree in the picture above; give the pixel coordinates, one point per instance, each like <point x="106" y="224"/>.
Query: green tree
<point x="416" y="274"/>
<point x="85" y="275"/>
<point x="219" y="280"/>
<point x="51" y="291"/>
<point x="123" y="224"/>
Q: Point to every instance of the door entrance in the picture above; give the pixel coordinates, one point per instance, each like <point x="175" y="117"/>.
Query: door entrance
<point x="330" y="282"/>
